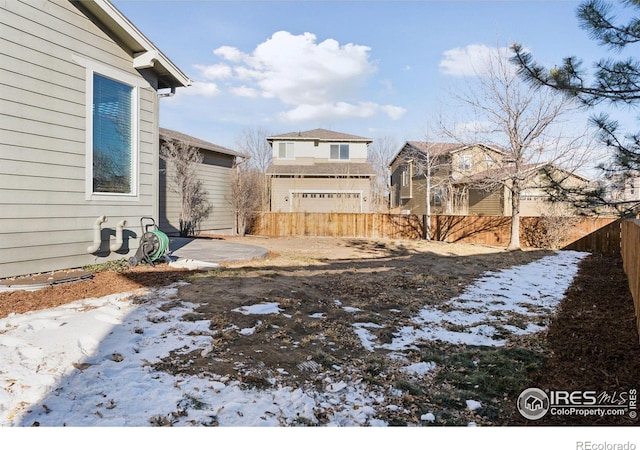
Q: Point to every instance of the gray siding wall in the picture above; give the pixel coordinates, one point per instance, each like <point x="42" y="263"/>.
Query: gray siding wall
<point x="46" y="223"/>
<point x="215" y="174"/>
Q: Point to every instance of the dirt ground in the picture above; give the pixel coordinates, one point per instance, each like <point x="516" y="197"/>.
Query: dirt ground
<point x="592" y="342"/>
<point x="284" y="252"/>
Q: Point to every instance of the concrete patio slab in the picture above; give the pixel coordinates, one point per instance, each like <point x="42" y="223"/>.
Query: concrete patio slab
<point x="203" y="253"/>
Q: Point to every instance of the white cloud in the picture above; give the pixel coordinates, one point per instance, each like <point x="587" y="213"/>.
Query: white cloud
<point x="315" y="79"/>
<point x="229" y="53"/>
<point x="340" y="110"/>
<point x="469" y="61"/>
<point x="215" y="72"/>
<point x="394" y="112"/>
<point x="245" y="91"/>
<point x="203" y="89"/>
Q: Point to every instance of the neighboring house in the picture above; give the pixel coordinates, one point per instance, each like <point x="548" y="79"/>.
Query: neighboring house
<point x="320" y="171"/>
<point x="624" y="187"/>
<point x="459" y="181"/>
<point x="79" y="106"/>
<point x="215" y="174"/>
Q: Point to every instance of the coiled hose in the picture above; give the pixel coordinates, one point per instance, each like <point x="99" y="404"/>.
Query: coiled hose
<point x="163" y="245"/>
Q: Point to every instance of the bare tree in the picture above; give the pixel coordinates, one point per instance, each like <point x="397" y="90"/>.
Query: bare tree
<point x="381" y="153"/>
<point x="182" y="162"/>
<point x="245" y="194"/>
<point x="527" y="122"/>
<point x="253" y="143"/>
<point x="430" y="161"/>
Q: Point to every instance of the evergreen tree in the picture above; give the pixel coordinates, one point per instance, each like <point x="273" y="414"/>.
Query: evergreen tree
<point x="615" y="81"/>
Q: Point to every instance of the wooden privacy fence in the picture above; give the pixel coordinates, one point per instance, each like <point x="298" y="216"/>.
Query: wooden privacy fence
<point x="488" y="230"/>
<point x="631" y="260"/>
<point x="395" y="226"/>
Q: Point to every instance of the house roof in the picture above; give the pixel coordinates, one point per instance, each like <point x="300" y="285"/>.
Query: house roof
<point x="323" y="169"/>
<point x="145" y="54"/>
<point x="320" y="134"/>
<point x="167" y="135"/>
<point x="442" y="148"/>
<point x="502" y="173"/>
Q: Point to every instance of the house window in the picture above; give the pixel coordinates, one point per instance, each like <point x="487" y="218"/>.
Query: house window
<point x="437" y="196"/>
<point x="405" y="176"/>
<point x="339" y="151"/>
<point x="114" y="136"/>
<point x="285" y="150"/>
<point x="489" y="161"/>
<point x="464" y="162"/>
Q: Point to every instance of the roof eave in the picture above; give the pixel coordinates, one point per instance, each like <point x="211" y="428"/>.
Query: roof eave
<point x="145" y="54"/>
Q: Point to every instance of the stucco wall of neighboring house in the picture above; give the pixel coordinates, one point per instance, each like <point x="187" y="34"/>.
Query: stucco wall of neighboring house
<point x="310" y="151"/>
<point x="286" y="194"/>
<point x="479" y="158"/>
<point x="215" y="174"/>
<point x="46" y="221"/>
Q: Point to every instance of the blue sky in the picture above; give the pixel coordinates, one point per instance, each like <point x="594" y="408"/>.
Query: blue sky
<point x="370" y="68"/>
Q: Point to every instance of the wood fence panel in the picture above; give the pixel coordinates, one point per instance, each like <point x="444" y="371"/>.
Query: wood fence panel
<point x="361" y="225"/>
<point x="631" y="261"/>
<point x="487" y="230"/>
<point x="605" y="240"/>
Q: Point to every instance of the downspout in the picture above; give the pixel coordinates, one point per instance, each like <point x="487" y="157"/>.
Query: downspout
<point x="168" y="94"/>
<point x="117" y="245"/>
<point x="97" y="234"/>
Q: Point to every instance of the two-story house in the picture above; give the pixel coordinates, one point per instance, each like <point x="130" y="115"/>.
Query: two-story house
<point x="443" y="167"/>
<point x="80" y="96"/>
<point x="320" y="171"/>
<point x="468" y="180"/>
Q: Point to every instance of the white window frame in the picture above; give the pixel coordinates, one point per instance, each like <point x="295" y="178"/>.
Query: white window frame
<point x="94" y="67"/>
<point x="406" y="178"/>
<point x="437" y="196"/>
<point x="465" y="162"/>
<point x="288" y="151"/>
<point x="339" y="151"/>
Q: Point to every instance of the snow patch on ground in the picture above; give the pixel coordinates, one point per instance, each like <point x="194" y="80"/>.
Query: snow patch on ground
<point x="88" y="363"/>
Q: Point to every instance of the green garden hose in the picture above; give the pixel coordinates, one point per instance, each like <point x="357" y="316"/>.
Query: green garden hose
<point x="163" y="245"/>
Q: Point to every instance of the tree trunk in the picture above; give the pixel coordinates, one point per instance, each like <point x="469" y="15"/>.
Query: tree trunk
<point x="428" y="210"/>
<point x="514" y="240"/>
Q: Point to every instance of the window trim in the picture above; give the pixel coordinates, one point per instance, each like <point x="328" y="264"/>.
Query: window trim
<point x="437" y="196"/>
<point x="91" y="68"/>
<point x="340" y="144"/>
<point x="465" y="166"/>
<point x="405" y="176"/>
<point x="287" y="145"/>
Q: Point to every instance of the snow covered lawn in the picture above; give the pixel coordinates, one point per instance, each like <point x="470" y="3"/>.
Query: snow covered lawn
<point x="89" y="363"/>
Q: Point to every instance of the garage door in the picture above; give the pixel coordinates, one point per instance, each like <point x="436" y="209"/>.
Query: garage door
<point x="327" y="202"/>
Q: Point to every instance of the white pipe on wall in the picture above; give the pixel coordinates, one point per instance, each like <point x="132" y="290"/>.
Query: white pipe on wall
<point x="117" y="245"/>
<point x="97" y="234"/>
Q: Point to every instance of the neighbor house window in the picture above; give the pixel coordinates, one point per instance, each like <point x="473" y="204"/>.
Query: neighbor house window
<point x="464" y="162"/>
<point x="113" y="136"/>
<point x="437" y="196"/>
<point x="405" y="175"/>
<point x="285" y="150"/>
<point x="489" y="161"/>
<point x="339" y="151"/>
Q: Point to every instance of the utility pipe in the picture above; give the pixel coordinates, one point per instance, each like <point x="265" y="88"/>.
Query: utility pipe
<point x="97" y="234"/>
<point x="117" y="245"/>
